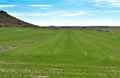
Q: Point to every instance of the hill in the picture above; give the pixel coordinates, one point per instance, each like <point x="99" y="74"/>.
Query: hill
<point x="8" y="20"/>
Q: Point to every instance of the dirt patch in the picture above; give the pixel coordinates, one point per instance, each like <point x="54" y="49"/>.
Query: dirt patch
<point x="2" y="49"/>
<point x="104" y="30"/>
<point x="42" y="77"/>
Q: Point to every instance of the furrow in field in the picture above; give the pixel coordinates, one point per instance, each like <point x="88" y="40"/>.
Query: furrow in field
<point x="102" y="46"/>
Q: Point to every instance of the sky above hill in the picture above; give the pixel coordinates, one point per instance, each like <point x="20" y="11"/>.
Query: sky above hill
<point x="65" y="12"/>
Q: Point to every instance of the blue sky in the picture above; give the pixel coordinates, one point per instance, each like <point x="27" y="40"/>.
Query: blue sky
<point x="65" y="12"/>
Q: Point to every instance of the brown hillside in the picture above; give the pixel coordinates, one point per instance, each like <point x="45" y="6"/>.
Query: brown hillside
<point x="8" y="20"/>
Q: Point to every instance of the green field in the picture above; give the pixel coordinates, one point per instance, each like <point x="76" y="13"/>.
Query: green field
<point x="50" y="53"/>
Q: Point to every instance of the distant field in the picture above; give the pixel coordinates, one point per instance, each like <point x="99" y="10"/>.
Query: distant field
<point x="50" y="53"/>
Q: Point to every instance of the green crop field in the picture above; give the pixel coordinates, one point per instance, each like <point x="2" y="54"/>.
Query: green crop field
<point x="50" y="53"/>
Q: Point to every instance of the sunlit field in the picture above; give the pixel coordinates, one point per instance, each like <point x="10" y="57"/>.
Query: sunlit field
<point x="65" y="53"/>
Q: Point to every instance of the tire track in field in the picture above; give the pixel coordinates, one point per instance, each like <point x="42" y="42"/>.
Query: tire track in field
<point x="98" y="44"/>
<point x="109" y="48"/>
<point x="3" y="49"/>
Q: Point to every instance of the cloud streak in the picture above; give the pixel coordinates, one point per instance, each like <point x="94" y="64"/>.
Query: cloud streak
<point x="113" y="3"/>
<point x="56" y="14"/>
<point x="97" y="3"/>
<point x="73" y="14"/>
<point x="40" y="5"/>
<point x="7" y="6"/>
<point x="28" y="14"/>
<point x="116" y="11"/>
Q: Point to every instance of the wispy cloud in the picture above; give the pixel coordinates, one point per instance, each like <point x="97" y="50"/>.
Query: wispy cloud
<point x="116" y="11"/>
<point x="16" y="14"/>
<point x="44" y="8"/>
<point x="97" y="3"/>
<point x="37" y="14"/>
<point x="55" y="14"/>
<point x="28" y="14"/>
<point x="98" y="22"/>
<point x="74" y="14"/>
<point x="113" y="3"/>
<point x="7" y="6"/>
<point x="40" y="5"/>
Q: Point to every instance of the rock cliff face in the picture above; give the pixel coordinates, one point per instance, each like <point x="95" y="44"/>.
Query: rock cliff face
<point x="8" y="20"/>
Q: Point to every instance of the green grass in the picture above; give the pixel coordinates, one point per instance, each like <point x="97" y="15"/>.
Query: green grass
<point x="59" y="53"/>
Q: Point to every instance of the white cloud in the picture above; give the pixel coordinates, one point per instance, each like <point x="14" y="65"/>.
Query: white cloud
<point x="101" y="22"/>
<point x="61" y="21"/>
<point x="37" y="14"/>
<point x="97" y="3"/>
<point x="116" y="11"/>
<point x="73" y="14"/>
<point x="26" y="14"/>
<point x="40" y="5"/>
<point x="7" y="6"/>
<point x="16" y="14"/>
<point x="114" y="3"/>
<point x="55" y="14"/>
<point x="96" y="22"/>
<point x="44" y="8"/>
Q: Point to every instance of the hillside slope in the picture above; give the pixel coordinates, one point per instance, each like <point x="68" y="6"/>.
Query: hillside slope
<point x="8" y="20"/>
